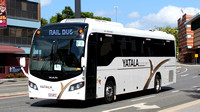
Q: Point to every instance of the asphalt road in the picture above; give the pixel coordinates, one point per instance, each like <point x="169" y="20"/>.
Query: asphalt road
<point x="187" y="89"/>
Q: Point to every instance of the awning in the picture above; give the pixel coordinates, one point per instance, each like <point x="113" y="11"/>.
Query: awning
<point x="26" y="49"/>
<point x="10" y="49"/>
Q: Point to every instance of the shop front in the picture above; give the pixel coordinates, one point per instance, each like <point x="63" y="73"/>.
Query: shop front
<point x="9" y="64"/>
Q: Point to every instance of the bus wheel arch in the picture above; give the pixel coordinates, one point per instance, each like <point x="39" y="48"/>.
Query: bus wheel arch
<point x="157" y="82"/>
<point x="110" y="90"/>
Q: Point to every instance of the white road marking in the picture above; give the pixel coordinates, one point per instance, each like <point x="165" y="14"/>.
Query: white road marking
<point x="120" y="108"/>
<point x="140" y="106"/>
<point x="184" y="75"/>
<point x="195" y="77"/>
<point x="175" y="91"/>
<point x="143" y="98"/>
<point x="195" y="87"/>
<point x="183" y="71"/>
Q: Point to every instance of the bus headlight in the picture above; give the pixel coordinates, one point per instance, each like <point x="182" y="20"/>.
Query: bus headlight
<point x="76" y="86"/>
<point x="33" y="85"/>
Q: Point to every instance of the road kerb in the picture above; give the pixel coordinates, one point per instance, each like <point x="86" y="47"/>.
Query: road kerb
<point x="13" y="94"/>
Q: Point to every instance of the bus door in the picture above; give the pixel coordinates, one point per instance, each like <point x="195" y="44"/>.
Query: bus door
<point x="91" y="72"/>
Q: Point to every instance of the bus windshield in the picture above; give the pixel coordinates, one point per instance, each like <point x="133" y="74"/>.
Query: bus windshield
<point x="58" y="57"/>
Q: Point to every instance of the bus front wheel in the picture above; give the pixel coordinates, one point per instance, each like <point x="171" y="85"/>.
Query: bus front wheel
<point x="109" y="92"/>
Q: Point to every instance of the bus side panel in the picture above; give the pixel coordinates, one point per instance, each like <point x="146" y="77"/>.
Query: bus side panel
<point x="131" y="79"/>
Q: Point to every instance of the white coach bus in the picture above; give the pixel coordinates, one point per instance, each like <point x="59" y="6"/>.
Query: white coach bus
<point x="80" y="59"/>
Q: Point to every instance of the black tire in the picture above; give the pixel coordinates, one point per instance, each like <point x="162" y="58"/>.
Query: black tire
<point x="109" y="92"/>
<point x="157" y="84"/>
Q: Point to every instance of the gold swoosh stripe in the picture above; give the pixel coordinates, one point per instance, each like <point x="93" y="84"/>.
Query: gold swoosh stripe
<point x="63" y="88"/>
<point x="153" y="71"/>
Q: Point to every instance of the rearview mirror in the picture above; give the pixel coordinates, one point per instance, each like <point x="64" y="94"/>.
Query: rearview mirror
<point x="23" y="62"/>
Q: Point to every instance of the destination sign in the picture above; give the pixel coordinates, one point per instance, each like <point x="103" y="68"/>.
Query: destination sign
<point x="63" y="32"/>
<point x="59" y="32"/>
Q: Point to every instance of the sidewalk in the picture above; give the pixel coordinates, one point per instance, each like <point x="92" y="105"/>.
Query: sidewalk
<point x="13" y="87"/>
<point x="187" y="64"/>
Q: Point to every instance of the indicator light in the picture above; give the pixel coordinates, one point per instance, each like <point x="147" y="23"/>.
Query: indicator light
<point x="38" y="32"/>
<point x="78" y="68"/>
<point x="80" y="31"/>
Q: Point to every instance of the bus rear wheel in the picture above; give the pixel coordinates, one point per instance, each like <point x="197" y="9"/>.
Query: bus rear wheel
<point x="109" y="92"/>
<point x="157" y="85"/>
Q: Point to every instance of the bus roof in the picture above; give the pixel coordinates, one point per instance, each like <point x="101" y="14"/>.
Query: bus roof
<point x="102" y="26"/>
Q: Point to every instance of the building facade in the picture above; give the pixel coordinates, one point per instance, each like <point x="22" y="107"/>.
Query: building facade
<point x="186" y="40"/>
<point x="195" y="26"/>
<point x="23" y="18"/>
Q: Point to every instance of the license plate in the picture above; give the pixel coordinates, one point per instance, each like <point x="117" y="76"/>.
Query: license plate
<point x="52" y="95"/>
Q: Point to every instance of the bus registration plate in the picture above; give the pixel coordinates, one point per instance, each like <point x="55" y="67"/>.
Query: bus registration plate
<point x="52" y="95"/>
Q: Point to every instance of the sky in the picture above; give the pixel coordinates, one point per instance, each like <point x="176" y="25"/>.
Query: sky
<point x="139" y="14"/>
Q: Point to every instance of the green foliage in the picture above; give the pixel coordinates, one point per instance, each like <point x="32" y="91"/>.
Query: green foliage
<point x="43" y="21"/>
<point x="102" y="18"/>
<point x="53" y="19"/>
<point x="87" y="15"/>
<point x="10" y="76"/>
<point x="170" y="30"/>
<point x="15" y="75"/>
<point x="57" y="18"/>
<point x="68" y="13"/>
<point x="20" y="75"/>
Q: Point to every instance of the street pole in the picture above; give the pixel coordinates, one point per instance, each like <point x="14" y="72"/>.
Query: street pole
<point x="77" y="8"/>
<point x="116" y="11"/>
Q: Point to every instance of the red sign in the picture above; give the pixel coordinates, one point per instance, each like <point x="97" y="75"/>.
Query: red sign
<point x="3" y="13"/>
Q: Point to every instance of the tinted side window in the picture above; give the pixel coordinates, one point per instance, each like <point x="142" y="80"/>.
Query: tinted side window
<point x="112" y="46"/>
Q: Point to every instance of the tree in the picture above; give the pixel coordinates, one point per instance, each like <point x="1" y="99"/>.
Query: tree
<point x="87" y="15"/>
<point x="57" y="18"/>
<point x="68" y="13"/>
<point x="43" y="21"/>
<point x="169" y="30"/>
<point x="53" y="19"/>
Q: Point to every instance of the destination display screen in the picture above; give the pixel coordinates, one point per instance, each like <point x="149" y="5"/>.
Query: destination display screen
<point x="59" y="32"/>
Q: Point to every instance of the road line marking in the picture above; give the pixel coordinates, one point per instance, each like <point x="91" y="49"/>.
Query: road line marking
<point x="183" y="71"/>
<point x="180" y="107"/>
<point x="184" y="75"/>
<point x="140" y="106"/>
<point x="177" y="71"/>
<point x="195" y="77"/>
<point x="175" y="91"/>
<point x="195" y="87"/>
<point x="120" y="108"/>
<point x="143" y="98"/>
